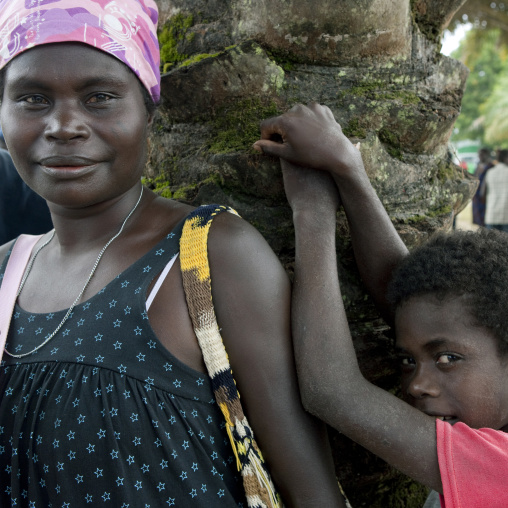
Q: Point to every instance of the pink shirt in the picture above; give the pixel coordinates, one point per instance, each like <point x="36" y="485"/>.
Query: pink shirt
<point x="473" y="465"/>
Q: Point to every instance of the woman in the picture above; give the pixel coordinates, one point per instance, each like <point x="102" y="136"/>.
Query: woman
<point x="106" y="399"/>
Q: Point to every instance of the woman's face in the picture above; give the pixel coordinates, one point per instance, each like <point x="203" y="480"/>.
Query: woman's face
<point x="75" y="123"/>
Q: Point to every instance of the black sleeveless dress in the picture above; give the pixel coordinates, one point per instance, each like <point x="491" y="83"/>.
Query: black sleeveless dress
<point x="104" y="415"/>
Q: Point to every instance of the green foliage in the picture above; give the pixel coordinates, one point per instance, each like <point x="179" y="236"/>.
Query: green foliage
<point x="479" y="44"/>
<point x="485" y="52"/>
<point x="496" y="113"/>
<point x="487" y="60"/>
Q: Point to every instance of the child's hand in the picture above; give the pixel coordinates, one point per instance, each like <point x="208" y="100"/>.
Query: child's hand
<point x="309" y="136"/>
<point x="309" y="190"/>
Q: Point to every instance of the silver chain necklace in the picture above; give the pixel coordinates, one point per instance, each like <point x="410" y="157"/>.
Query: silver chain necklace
<point x="78" y="298"/>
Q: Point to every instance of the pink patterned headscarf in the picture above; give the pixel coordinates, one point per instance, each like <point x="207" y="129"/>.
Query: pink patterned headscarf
<point x="125" y="29"/>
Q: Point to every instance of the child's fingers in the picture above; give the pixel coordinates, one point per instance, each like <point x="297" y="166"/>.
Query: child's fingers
<point x="271" y="127"/>
<point x="269" y="147"/>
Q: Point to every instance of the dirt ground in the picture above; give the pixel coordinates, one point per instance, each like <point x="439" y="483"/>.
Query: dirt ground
<point x="464" y="219"/>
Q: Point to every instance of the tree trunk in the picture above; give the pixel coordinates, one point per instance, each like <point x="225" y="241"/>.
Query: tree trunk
<point x="376" y="64"/>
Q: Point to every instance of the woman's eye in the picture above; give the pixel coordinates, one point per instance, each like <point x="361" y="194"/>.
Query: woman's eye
<point x="99" y="98"/>
<point x="446" y="358"/>
<point x="407" y="361"/>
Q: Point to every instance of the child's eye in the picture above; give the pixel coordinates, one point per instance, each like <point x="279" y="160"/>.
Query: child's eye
<point x="407" y="363"/>
<point x="35" y="99"/>
<point x="447" y="358"/>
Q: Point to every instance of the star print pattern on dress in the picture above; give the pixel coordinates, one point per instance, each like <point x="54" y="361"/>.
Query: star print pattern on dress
<point x="105" y="415"/>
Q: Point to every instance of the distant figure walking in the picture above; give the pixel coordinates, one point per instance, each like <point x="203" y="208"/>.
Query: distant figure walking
<point x="21" y="209"/>
<point x="482" y="167"/>
<point x="495" y="191"/>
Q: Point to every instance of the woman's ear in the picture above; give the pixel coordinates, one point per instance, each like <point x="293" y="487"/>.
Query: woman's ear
<point x="150" y="119"/>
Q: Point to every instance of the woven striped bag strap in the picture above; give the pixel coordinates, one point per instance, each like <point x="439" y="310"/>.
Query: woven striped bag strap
<point x="259" y="489"/>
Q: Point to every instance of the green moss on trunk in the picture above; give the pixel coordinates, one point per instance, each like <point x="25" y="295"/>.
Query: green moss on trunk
<point x="174" y="31"/>
<point x="236" y="126"/>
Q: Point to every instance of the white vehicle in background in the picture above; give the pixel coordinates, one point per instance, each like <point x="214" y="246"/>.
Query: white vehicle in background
<point x="466" y="151"/>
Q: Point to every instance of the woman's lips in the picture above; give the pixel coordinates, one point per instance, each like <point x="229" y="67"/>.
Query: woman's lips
<point x="67" y="167"/>
<point x="63" y="161"/>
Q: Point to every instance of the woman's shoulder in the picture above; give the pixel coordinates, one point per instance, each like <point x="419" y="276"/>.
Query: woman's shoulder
<point x="240" y="254"/>
<point x="231" y="240"/>
<point x="223" y="222"/>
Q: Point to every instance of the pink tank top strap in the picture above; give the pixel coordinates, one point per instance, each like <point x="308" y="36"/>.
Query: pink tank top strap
<point x="10" y="283"/>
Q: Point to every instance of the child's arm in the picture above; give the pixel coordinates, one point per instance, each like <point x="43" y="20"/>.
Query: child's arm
<point x="331" y="384"/>
<point x="317" y="142"/>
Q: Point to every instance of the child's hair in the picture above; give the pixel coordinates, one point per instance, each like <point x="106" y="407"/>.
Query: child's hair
<point x="470" y="264"/>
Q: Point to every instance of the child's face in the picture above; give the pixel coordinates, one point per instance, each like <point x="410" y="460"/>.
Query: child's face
<point x="451" y="368"/>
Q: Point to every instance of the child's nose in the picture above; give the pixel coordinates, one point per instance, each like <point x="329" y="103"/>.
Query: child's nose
<point x="422" y="383"/>
<point x="65" y="123"/>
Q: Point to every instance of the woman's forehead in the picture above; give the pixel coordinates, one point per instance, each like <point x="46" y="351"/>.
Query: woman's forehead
<point x="127" y="30"/>
<point x="66" y="60"/>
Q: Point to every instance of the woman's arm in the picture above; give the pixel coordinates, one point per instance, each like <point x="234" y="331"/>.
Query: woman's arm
<point x="251" y="294"/>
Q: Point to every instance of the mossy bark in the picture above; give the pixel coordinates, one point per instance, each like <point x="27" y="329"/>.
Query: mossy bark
<point x="376" y="64"/>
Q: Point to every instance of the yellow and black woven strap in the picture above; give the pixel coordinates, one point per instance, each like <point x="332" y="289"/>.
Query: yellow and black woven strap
<point x="259" y="489"/>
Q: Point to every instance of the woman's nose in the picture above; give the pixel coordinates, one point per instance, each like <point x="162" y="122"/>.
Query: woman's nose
<point x="421" y="383"/>
<point x="66" y="123"/>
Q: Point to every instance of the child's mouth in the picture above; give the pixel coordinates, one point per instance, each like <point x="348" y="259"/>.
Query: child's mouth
<point x="445" y="418"/>
<point x="440" y="416"/>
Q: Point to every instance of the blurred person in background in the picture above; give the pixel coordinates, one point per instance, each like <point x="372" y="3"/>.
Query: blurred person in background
<point x="484" y="164"/>
<point x="21" y="209"/>
<point x="494" y="190"/>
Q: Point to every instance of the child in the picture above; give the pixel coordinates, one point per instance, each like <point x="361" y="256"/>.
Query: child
<point x="105" y="398"/>
<point x="449" y="299"/>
